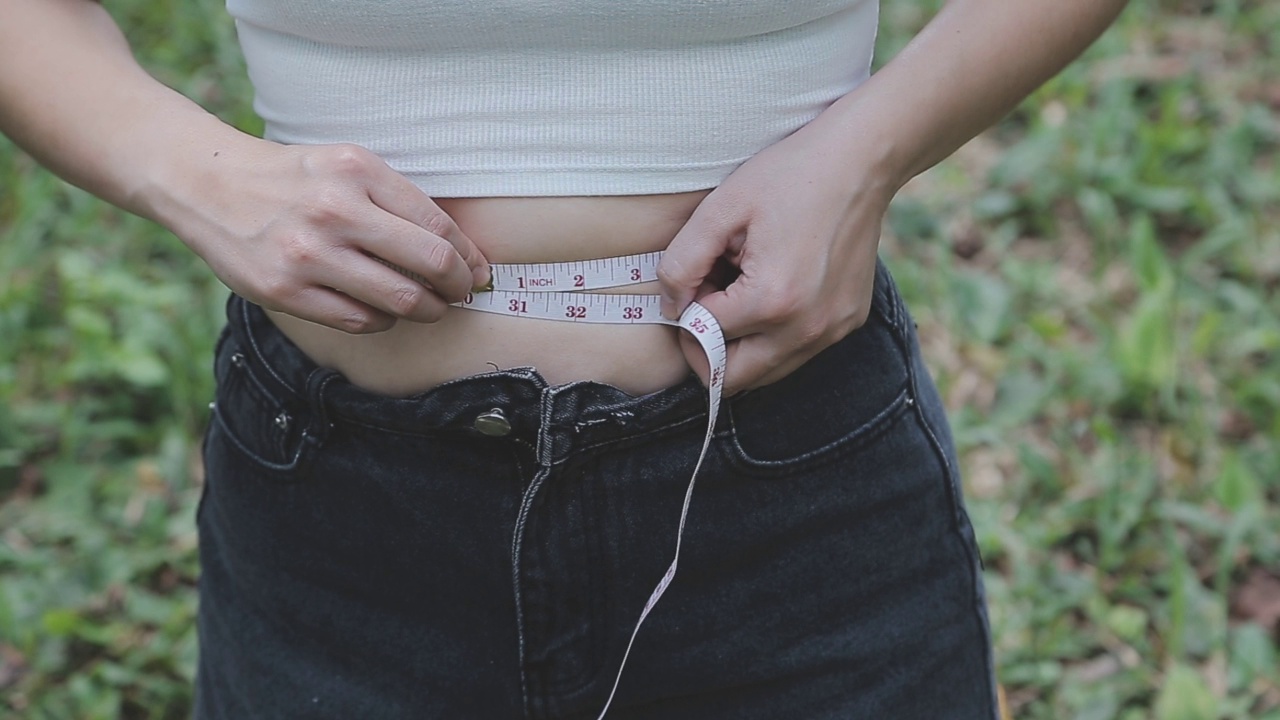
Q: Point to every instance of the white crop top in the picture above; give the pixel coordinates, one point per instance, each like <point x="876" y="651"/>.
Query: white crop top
<point x="552" y="97"/>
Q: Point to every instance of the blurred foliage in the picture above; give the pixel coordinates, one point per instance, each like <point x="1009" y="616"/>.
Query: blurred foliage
<point x="1095" y="282"/>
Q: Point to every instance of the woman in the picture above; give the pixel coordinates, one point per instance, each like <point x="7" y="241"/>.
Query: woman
<point x="414" y="510"/>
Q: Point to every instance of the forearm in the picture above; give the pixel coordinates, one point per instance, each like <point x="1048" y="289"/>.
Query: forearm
<point x="72" y="95"/>
<point x="974" y="62"/>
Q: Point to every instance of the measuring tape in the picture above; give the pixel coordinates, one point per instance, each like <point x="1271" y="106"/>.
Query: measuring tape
<point x="554" y="291"/>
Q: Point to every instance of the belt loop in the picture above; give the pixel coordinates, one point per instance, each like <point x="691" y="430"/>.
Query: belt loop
<point x="895" y="309"/>
<point x="317" y="384"/>
<point x="557" y="414"/>
<point x="546" y="439"/>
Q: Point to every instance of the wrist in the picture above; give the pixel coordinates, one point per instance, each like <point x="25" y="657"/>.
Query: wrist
<point x="184" y="170"/>
<point x="877" y="150"/>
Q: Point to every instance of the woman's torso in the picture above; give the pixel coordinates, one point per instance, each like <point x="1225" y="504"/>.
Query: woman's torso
<point x="415" y="356"/>
<point x="550" y="131"/>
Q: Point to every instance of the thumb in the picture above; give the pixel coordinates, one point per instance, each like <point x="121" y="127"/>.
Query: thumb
<point x="692" y="254"/>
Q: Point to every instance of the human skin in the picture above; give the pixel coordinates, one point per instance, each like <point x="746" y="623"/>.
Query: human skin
<point x="290" y="227"/>
<point x="285" y="226"/>
<point x="802" y="218"/>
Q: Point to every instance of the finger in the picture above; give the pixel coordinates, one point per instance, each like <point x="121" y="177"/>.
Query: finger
<point x="377" y="285"/>
<point x="432" y="258"/>
<point x="692" y="254"/>
<point x="734" y="308"/>
<point x="695" y="356"/>
<point x="756" y="360"/>
<point x="325" y="306"/>
<point x="396" y="194"/>
<point x="722" y="306"/>
<point x="755" y="353"/>
<point x="750" y="362"/>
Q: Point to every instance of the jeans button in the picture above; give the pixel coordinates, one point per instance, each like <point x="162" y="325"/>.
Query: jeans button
<point x="493" y="423"/>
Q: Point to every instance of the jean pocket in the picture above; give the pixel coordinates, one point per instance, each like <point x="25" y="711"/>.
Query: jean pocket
<point x="839" y="400"/>
<point x="265" y="426"/>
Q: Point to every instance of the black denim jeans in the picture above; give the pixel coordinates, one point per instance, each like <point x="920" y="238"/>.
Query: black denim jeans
<point x="369" y="558"/>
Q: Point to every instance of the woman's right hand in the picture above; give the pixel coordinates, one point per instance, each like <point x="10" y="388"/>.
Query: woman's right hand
<point x="292" y="228"/>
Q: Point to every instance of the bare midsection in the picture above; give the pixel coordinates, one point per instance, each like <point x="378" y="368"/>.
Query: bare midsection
<point x="412" y="357"/>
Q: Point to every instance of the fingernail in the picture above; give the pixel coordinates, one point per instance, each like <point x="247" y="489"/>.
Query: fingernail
<point x="483" y="279"/>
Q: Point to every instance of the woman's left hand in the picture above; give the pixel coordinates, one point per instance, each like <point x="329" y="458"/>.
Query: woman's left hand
<point x="800" y="223"/>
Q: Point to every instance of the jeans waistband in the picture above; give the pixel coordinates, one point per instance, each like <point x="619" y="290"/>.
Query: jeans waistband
<point x="586" y="413"/>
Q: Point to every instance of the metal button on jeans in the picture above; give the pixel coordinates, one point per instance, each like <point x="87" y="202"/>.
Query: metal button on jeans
<point x="493" y="423"/>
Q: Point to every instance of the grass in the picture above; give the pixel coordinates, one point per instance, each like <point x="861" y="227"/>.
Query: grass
<point x="1095" y="282"/>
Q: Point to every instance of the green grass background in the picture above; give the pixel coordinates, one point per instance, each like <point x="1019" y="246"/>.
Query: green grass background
<point x="1095" y="282"/>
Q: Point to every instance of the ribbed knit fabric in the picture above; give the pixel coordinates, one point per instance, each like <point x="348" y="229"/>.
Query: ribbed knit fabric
<point x="552" y="97"/>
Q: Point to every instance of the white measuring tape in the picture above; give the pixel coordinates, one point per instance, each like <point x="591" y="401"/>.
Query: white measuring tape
<point x="552" y="291"/>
